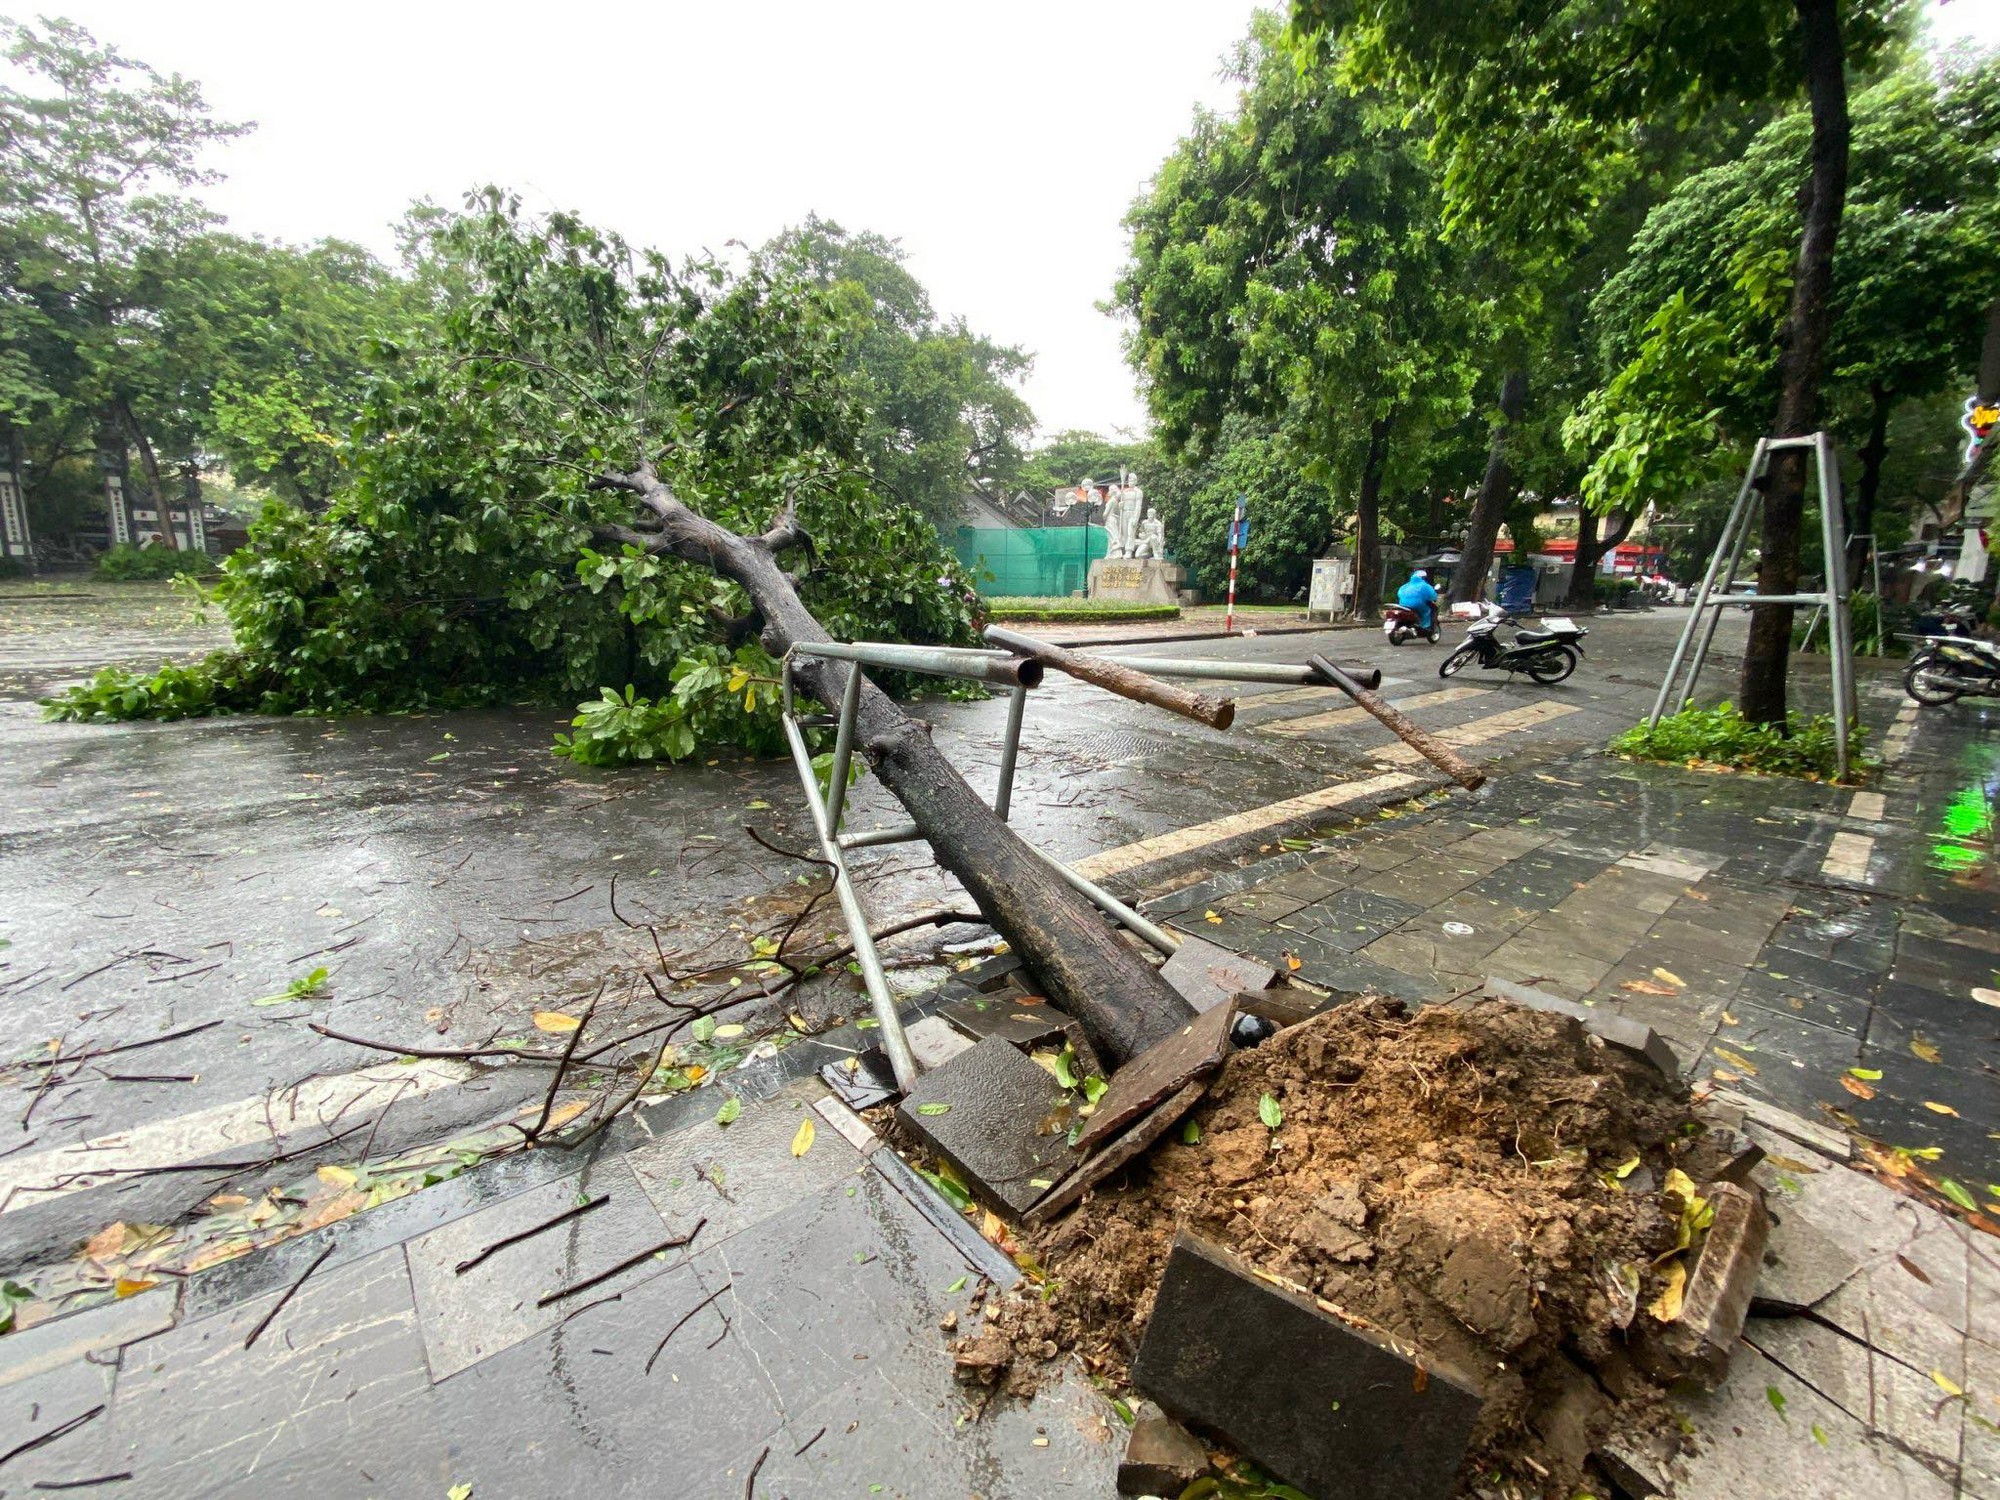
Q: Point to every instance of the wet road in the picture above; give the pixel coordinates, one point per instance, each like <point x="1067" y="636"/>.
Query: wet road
<point x="452" y="877"/>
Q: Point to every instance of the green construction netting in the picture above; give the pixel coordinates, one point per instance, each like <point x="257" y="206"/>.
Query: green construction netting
<point x="1031" y="561"/>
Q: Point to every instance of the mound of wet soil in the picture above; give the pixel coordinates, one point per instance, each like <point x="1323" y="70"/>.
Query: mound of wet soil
<point x="1452" y="1177"/>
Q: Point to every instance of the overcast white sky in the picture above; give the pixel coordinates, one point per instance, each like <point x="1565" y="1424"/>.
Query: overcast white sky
<point x="1001" y="143"/>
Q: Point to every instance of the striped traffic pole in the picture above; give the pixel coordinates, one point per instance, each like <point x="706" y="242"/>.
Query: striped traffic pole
<point x="1239" y="527"/>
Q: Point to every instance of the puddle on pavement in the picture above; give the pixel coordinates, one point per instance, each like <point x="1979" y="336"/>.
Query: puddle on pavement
<point x="1962" y="840"/>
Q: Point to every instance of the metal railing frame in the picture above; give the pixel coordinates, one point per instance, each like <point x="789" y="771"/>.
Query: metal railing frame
<point x="1019" y="675"/>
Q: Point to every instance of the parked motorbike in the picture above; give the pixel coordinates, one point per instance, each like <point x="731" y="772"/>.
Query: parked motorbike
<point x="1945" y="668"/>
<point x="1400" y="623"/>
<point x="1548" y="655"/>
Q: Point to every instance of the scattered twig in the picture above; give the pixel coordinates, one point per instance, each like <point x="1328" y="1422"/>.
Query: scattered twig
<point x="151" y="1041"/>
<point x="290" y="1292"/>
<point x="562" y="1066"/>
<point x="576" y="1211"/>
<point x="406" y="1051"/>
<point x="79" y="1484"/>
<point x="151" y="1077"/>
<point x="800" y="1450"/>
<point x="750" y="1480"/>
<point x="70" y="984"/>
<point x="639" y="1083"/>
<point x="51" y="1435"/>
<point x="624" y="1265"/>
<point x="683" y="1322"/>
<point x="573" y="895"/>
<point x="184" y="974"/>
<point x="329" y="948"/>
<point x="577" y="1312"/>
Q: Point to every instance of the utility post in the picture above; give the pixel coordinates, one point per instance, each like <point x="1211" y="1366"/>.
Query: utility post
<point x="1239" y="533"/>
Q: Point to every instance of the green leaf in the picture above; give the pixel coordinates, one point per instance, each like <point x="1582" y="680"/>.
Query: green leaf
<point x="732" y="1107"/>
<point x="1066" y="1067"/>
<point x="956" y="1286"/>
<point x="1270" y="1111"/>
<point x="1958" y="1195"/>
<point x="1094" y="1088"/>
<point x="1777" y="1399"/>
<point x="939" y="1108"/>
<point x="1190" y="1132"/>
<point x="703" y="1028"/>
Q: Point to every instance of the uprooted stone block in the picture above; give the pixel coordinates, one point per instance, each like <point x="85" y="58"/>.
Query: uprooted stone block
<point x="1160" y="1072"/>
<point x="999" y="1118"/>
<point x="1027" y="1021"/>
<point x="1206" y="975"/>
<point x="1614" y="1030"/>
<point x="1719" y="1287"/>
<point x="1328" y="1404"/>
<point x="933" y="1043"/>
<point x="1161" y="1456"/>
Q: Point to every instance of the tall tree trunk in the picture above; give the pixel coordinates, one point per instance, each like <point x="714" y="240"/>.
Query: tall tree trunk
<point x="1084" y="965"/>
<point x="1862" y="523"/>
<point x="1591" y="545"/>
<point x="1368" y="524"/>
<point x="1468" y="580"/>
<point x="150" y="461"/>
<point x="1768" y="655"/>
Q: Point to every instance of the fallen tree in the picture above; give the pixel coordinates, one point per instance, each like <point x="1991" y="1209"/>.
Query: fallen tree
<point x="577" y="487"/>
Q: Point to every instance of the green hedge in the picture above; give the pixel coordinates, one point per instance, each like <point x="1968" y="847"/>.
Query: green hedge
<point x="1058" y="610"/>
<point x="1720" y="737"/>
<point x="129" y="564"/>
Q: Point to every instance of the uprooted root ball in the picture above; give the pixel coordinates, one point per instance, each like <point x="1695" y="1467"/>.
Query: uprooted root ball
<point x="1452" y="1178"/>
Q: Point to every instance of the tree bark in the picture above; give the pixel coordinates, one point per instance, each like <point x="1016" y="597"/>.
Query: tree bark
<point x="1862" y="522"/>
<point x="1468" y="580"/>
<point x="150" y="461"/>
<point x="1590" y="549"/>
<point x="1767" y="658"/>
<point x="1086" y="968"/>
<point x="1368" y="524"/>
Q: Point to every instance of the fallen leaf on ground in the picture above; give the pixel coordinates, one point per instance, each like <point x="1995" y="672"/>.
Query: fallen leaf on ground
<point x="1742" y="1064"/>
<point x="731" y="1108"/>
<point x="726" y="1032"/>
<point x="1668" y="976"/>
<point x="1914" y="1269"/>
<point x="108" y="1241"/>
<point x="1940" y="1109"/>
<point x="803" y="1141"/>
<point x="1209" y="916"/>
<point x="341" y="1177"/>
<point x="1958" y="1195"/>
<point x="1856" y="1087"/>
<point x="128" y="1288"/>
<point x="1270" y="1112"/>
<point x="555" y="1022"/>
<point x="1647" y="987"/>
<point x="1926" y="1051"/>
<point x="1292" y="961"/>
<point x="1667" y="1306"/>
<point x="1872" y="1075"/>
<point x="1986" y="997"/>
<point x="1946" y="1384"/>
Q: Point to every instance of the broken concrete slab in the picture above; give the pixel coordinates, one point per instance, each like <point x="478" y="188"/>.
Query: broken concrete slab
<point x="1161" y="1456"/>
<point x="1283" y="1004"/>
<point x="862" y="1081"/>
<point x="933" y="1042"/>
<point x="82" y="1335"/>
<point x="1719" y="1285"/>
<point x="1829" y="1143"/>
<point x="1206" y="975"/>
<point x="1026" y="1026"/>
<point x="1162" y="1070"/>
<point x="1884" y="1393"/>
<point x="1121" y="1152"/>
<point x="1327" y="1404"/>
<point x="1802" y="1265"/>
<point x="1618" y="1031"/>
<point x="1738" y="1153"/>
<point x="1000" y="1119"/>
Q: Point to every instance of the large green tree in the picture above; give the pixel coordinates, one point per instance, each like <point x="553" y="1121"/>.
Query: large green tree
<point x="945" y="418"/>
<point x="98" y="156"/>
<point x="1911" y="280"/>
<point x="1286" y="262"/>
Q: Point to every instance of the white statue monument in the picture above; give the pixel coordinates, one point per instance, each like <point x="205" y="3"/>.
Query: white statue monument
<point x="1123" y="508"/>
<point x="1134" y="566"/>
<point x="1152" y="536"/>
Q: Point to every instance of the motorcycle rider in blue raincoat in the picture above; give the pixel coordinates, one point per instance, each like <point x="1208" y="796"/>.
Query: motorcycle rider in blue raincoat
<point x="1418" y="595"/>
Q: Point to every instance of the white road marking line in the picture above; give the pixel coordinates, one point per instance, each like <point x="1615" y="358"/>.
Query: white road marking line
<point x="1348" y="715"/>
<point x="242" y="1127"/>
<point x="1847" y="857"/>
<point x="1340" y="794"/>
<point x="1870" y="807"/>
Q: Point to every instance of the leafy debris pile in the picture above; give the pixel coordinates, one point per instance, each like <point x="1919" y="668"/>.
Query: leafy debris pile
<point x="1479" y="1183"/>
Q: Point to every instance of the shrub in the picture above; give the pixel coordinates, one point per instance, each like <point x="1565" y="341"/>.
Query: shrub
<point x="218" y="684"/>
<point x="128" y="564"/>
<point x="1722" y="737"/>
<point x="1055" y="610"/>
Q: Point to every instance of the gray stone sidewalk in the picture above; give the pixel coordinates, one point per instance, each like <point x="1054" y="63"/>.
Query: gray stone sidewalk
<point x="797" y="1332"/>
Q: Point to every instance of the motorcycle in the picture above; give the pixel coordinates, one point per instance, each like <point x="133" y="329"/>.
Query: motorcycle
<point x="1400" y="623"/>
<point x="1945" y="668"/>
<point x="1548" y="655"/>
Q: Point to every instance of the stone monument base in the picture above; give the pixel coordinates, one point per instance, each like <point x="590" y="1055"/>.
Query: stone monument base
<point x="1137" y="580"/>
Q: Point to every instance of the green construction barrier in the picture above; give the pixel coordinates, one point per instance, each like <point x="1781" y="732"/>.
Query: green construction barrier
<point x="1041" y="562"/>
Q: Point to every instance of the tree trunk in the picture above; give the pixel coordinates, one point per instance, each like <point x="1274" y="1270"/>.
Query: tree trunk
<point x="1468" y="580"/>
<point x="1085" y="966"/>
<point x="1368" y="524"/>
<point x="1768" y="655"/>
<point x="1591" y="545"/>
<point x="1862" y="523"/>
<point x="150" y="461"/>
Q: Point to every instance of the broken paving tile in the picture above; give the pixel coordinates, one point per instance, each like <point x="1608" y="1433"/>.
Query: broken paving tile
<point x="1902" y="1403"/>
<point x="1161" y="1456"/>
<point x="870" y="1082"/>
<point x="933" y="1042"/>
<point x="1831" y="1143"/>
<point x="1163" y="1069"/>
<point x="1802" y="1266"/>
<point x="1328" y="1406"/>
<point x="1026" y="1026"/>
<point x="1626" y="1035"/>
<point x="81" y="1335"/>
<point x="1206" y="975"/>
<point x="1000" y="1119"/>
<point x="1119" y="1153"/>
